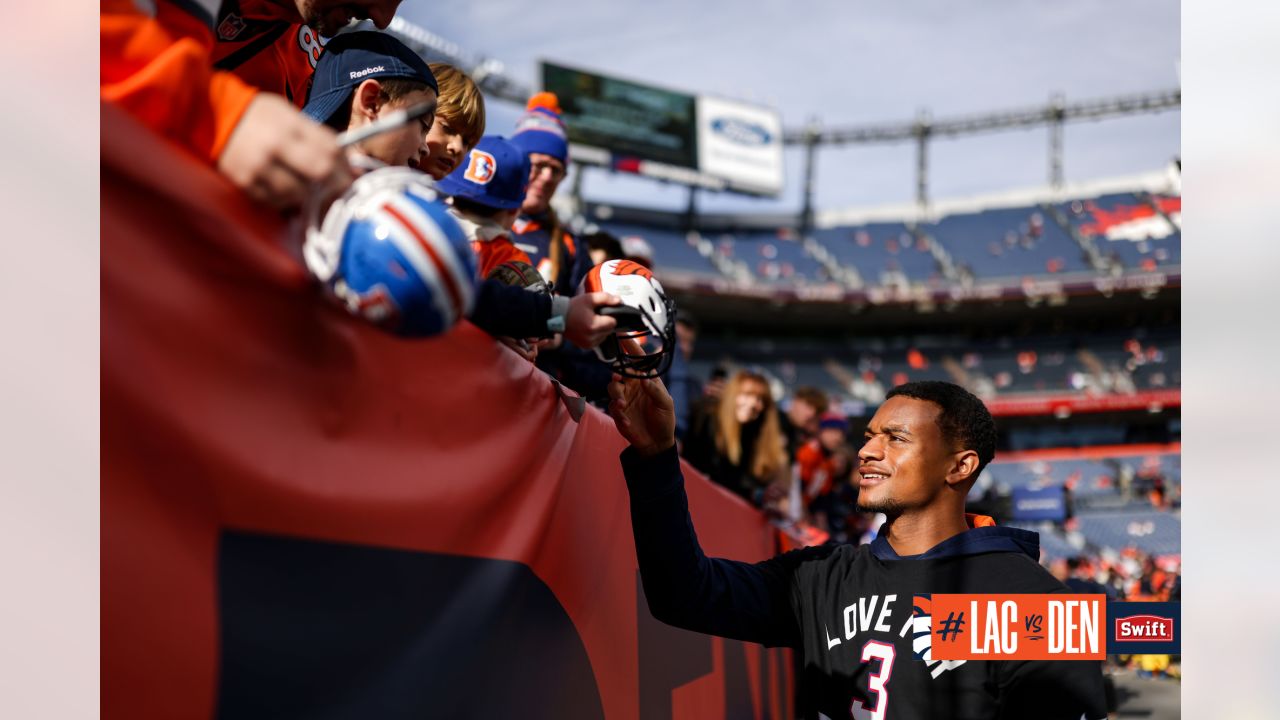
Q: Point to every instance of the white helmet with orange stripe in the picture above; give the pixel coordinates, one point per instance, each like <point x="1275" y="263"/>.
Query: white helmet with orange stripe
<point x="390" y="252"/>
<point x="643" y="344"/>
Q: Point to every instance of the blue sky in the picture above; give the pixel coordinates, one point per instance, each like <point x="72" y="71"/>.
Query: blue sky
<point x="852" y="63"/>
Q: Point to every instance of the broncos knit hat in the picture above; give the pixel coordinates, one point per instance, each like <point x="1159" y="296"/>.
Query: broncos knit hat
<point x="540" y="129"/>
<point x="494" y="174"/>
<point x="835" y="421"/>
<point x="351" y="58"/>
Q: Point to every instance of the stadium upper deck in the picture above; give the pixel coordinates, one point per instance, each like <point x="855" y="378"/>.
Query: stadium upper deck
<point x="1091" y="238"/>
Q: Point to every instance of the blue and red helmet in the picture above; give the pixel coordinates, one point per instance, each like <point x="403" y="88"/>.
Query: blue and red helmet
<point x="389" y="251"/>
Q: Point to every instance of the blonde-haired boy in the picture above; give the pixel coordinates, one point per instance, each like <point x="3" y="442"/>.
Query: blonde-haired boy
<point x="459" y="124"/>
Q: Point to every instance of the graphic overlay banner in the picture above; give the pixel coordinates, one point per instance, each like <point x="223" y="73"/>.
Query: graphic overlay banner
<point x="1019" y="627"/>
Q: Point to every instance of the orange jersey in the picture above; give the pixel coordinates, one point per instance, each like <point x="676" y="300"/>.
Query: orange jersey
<point x="495" y="252"/>
<point x="816" y="469"/>
<point x="265" y="45"/>
<point x="163" y="61"/>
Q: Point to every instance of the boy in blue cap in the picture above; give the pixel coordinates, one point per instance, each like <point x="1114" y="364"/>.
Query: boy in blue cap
<point x="486" y="191"/>
<point x="364" y="75"/>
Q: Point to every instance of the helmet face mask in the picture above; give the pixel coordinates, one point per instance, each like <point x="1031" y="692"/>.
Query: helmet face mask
<point x="643" y="345"/>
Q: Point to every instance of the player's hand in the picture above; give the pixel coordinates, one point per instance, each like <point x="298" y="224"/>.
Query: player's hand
<point x="643" y="412"/>
<point x="277" y="155"/>
<point x="583" y="327"/>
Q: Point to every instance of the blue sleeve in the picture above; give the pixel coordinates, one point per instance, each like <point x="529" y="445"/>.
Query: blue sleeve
<point x="510" y="311"/>
<point x="685" y="588"/>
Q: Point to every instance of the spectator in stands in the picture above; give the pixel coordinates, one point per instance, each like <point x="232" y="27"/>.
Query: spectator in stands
<point x="541" y="134"/>
<point x="459" y="122"/>
<point x="638" y="249"/>
<point x="824" y="467"/>
<point x="800" y="423"/>
<point x="1080" y="578"/>
<point x="362" y="77"/>
<point x="602" y="247"/>
<point x="742" y="447"/>
<point x="214" y="78"/>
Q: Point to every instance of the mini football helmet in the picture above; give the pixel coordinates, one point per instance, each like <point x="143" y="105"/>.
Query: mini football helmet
<point x="643" y="344"/>
<point x="389" y="252"/>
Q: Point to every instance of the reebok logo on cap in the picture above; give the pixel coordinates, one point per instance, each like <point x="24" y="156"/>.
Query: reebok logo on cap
<point x="482" y="167"/>
<point x="367" y="71"/>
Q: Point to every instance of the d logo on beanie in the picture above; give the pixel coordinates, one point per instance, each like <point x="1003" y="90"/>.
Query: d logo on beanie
<point x="482" y="167"/>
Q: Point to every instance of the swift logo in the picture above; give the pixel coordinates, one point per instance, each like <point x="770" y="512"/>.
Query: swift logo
<point x="367" y="71"/>
<point x="1144" y="628"/>
<point x="741" y="132"/>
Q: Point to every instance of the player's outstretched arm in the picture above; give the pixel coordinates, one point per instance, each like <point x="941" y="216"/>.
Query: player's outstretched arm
<point x="683" y="586"/>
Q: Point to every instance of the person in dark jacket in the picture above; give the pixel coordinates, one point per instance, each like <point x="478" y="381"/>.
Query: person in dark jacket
<point x="848" y="610"/>
<point x="742" y="447"/>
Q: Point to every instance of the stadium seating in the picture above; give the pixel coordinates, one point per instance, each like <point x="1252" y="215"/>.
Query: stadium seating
<point x="1125" y="228"/>
<point x="1015" y="242"/>
<point x="671" y="249"/>
<point x="778" y="257"/>
<point x="1152" y="531"/>
<point x="1003" y="366"/>
<point x="996" y="244"/>
<point x="882" y="253"/>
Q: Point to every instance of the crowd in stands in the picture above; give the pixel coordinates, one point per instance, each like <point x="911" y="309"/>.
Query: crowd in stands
<point x="863" y="373"/>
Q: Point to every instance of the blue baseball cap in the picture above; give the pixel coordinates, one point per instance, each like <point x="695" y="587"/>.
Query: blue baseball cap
<point x="351" y="58"/>
<point x="494" y="174"/>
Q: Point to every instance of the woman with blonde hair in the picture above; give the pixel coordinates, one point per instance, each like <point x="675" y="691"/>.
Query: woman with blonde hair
<point x="743" y="447"/>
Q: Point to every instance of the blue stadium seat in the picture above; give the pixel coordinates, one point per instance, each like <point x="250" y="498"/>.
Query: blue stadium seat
<point x="1149" y="245"/>
<point x="1152" y="531"/>
<point x="880" y="251"/>
<point x="777" y="257"/>
<point x="670" y="249"/>
<point x="1014" y="242"/>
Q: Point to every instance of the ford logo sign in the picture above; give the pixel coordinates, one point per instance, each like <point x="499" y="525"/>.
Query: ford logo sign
<point x="741" y="132"/>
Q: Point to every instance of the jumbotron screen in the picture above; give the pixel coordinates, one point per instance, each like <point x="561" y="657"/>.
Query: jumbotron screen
<point x="697" y="140"/>
<point x="625" y="118"/>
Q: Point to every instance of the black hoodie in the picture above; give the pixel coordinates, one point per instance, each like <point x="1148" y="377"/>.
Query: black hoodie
<point x="848" y="611"/>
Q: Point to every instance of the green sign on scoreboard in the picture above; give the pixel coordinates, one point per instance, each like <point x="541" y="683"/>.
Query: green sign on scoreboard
<point x="625" y="118"/>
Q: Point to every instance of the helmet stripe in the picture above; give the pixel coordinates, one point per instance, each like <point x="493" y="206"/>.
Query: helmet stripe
<point x="459" y="260"/>
<point x="451" y="284"/>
